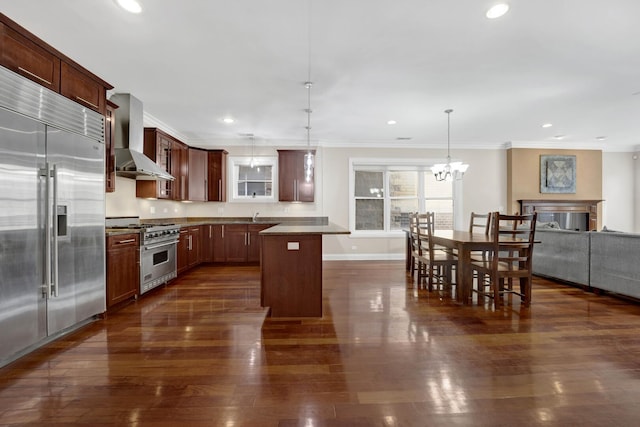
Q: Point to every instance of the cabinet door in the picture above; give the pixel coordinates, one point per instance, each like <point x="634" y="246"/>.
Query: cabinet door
<point x="197" y="188"/>
<point x="179" y="170"/>
<point x="219" y="235"/>
<point x="235" y="242"/>
<point x="23" y="56"/>
<point x="206" y="243"/>
<point x="157" y="147"/>
<point x="183" y="250"/>
<point x="81" y="88"/>
<point x="292" y="186"/>
<point x="194" y="246"/>
<point x="253" y="247"/>
<point x="109" y="148"/>
<point x="123" y="268"/>
<point x="217" y="180"/>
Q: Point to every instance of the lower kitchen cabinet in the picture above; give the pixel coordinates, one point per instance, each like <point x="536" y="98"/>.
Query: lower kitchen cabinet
<point x="188" y="251"/>
<point x="242" y="242"/>
<point x="123" y="267"/>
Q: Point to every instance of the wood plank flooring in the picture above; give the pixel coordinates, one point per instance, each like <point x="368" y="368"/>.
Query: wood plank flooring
<point x="200" y="352"/>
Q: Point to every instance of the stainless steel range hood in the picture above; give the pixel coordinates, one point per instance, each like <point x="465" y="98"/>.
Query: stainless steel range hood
<point x="129" y="142"/>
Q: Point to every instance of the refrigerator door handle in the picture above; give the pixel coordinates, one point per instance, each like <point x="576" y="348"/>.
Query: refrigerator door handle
<point x="45" y="173"/>
<point x="54" y="243"/>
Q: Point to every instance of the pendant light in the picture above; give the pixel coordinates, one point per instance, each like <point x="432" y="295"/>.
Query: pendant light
<point x="252" y="163"/>
<point x="449" y="171"/>
<point x="309" y="159"/>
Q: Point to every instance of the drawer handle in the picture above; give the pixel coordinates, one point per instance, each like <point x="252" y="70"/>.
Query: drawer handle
<point x="87" y="102"/>
<point x="34" y="75"/>
<point x="122" y="242"/>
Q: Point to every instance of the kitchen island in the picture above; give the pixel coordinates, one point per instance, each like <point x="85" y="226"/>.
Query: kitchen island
<point x="291" y="268"/>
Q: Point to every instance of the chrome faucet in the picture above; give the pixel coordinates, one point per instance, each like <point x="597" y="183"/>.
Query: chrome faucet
<point x="255" y="216"/>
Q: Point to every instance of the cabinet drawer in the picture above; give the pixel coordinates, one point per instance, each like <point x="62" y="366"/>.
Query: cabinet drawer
<point x="123" y="240"/>
<point x="82" y="89"/>
<point x="23" y="56"/>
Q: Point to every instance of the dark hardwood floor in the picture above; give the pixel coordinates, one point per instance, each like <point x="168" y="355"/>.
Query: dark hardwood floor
<point x="200" y="352"/>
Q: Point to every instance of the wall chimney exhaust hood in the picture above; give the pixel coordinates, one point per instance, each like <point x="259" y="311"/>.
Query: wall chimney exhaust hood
<point x="129" y="142"/>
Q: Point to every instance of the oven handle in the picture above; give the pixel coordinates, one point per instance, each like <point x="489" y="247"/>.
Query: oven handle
<point x="173" y="242"/>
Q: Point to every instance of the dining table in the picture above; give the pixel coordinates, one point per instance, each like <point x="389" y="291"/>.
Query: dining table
<point x="464" y="243"/>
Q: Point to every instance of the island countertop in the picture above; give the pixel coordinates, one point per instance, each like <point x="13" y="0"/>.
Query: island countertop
<point x="301" y="229"/>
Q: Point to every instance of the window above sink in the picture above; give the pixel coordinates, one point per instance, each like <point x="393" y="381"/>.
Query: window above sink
<point x="253" y="179"/>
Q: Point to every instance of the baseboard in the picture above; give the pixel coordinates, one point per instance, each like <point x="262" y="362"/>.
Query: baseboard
<point x="363" y="257"/>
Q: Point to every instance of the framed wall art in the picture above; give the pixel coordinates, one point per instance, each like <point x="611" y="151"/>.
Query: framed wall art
<point x="557" y="174"/>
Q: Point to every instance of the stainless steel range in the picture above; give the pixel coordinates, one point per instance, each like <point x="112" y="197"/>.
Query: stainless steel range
<point x="158" y="243"/>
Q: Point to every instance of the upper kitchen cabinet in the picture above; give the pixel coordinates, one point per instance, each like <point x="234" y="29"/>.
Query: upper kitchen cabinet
<point x="81" y="88"/>
<point x="217" y="180"/>
<point x="198" y="162"/>
<point x="26" y="57"/>
<point x="109" y="148"/>
<point x="180" y="169"/>
<point x="173" y="157"/>
<point x="292" y="186"/>
<point x="29" y="56"/>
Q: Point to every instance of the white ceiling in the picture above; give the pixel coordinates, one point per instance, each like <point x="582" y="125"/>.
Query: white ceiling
<point x="573" y="63"/>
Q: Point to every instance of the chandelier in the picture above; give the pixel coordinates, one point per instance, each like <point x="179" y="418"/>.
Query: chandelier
<point x="450" y="170"/>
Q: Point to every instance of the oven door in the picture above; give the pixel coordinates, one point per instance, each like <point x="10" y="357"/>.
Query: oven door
<point x="157" y="264"/>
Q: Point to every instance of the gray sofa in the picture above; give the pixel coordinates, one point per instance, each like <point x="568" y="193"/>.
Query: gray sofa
<point x="562" y="254"/>
<point x="603" y="260"/>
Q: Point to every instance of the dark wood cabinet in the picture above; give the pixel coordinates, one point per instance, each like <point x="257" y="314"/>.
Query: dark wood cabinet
<point x="206" y="243"/>
<point x="242" y="242"/>
<point x="179" y="170"/>
<point x="182" y="250"/>
<point x="31" y="57"/>
<point x="173" y="157"/>
<point x="188" y="250"/>
<point x="123" y="267"/>
<point x="24" y="56"/>
<point x="217" y="176"/>
<point x="292" y="186"/>
<point x="81" y="88"/>
<point x="198" y="175"/>
<point x="109" y="148"/>
<point x="194" y="246"/>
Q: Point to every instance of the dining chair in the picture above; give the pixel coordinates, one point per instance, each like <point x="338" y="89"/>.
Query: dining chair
<point x="480" y="223"/>
<point x="509" y="258"/>
<point x="436" y="264"/>
<point x="414" y="245"/>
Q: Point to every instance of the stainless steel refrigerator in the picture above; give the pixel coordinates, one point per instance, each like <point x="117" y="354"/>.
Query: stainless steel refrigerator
<point x="52" y="237"/>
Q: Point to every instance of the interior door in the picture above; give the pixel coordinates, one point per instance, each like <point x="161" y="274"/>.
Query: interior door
<point x="22" y="300"/>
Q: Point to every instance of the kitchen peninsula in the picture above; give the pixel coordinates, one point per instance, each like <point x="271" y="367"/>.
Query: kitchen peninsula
<point x="291" y="268"/>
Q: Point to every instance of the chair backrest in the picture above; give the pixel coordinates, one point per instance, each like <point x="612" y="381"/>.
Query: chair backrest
<point x="480" y="223"/>
<point x="426" y="226"/>
<point x="513" y="238"/>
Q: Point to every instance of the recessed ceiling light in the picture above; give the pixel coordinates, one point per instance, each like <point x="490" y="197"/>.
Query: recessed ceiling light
<point x="559" y="136"/>
<point x="391" y="122"/>
<point x="497" y="11"/>
<point x="132" y="6"/>
<point x="404" y="138"/>
<point x="228" y="120"/>
<point x="547" y="125"/>
<point x="601" y="138"/>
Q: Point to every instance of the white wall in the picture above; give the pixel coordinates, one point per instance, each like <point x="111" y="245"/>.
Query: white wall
<point x="619" y="191"/>
<point x="484" y="189"/>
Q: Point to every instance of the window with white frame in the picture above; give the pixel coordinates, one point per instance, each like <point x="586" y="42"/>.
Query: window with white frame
<point x="384" y="193"/>
<point x="252" y="179"/>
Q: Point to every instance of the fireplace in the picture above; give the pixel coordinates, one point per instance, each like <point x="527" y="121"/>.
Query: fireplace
<point x="579" y="215"/>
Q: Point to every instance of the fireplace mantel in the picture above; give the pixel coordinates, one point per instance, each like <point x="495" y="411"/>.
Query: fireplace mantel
<point x="590" y="207"/>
